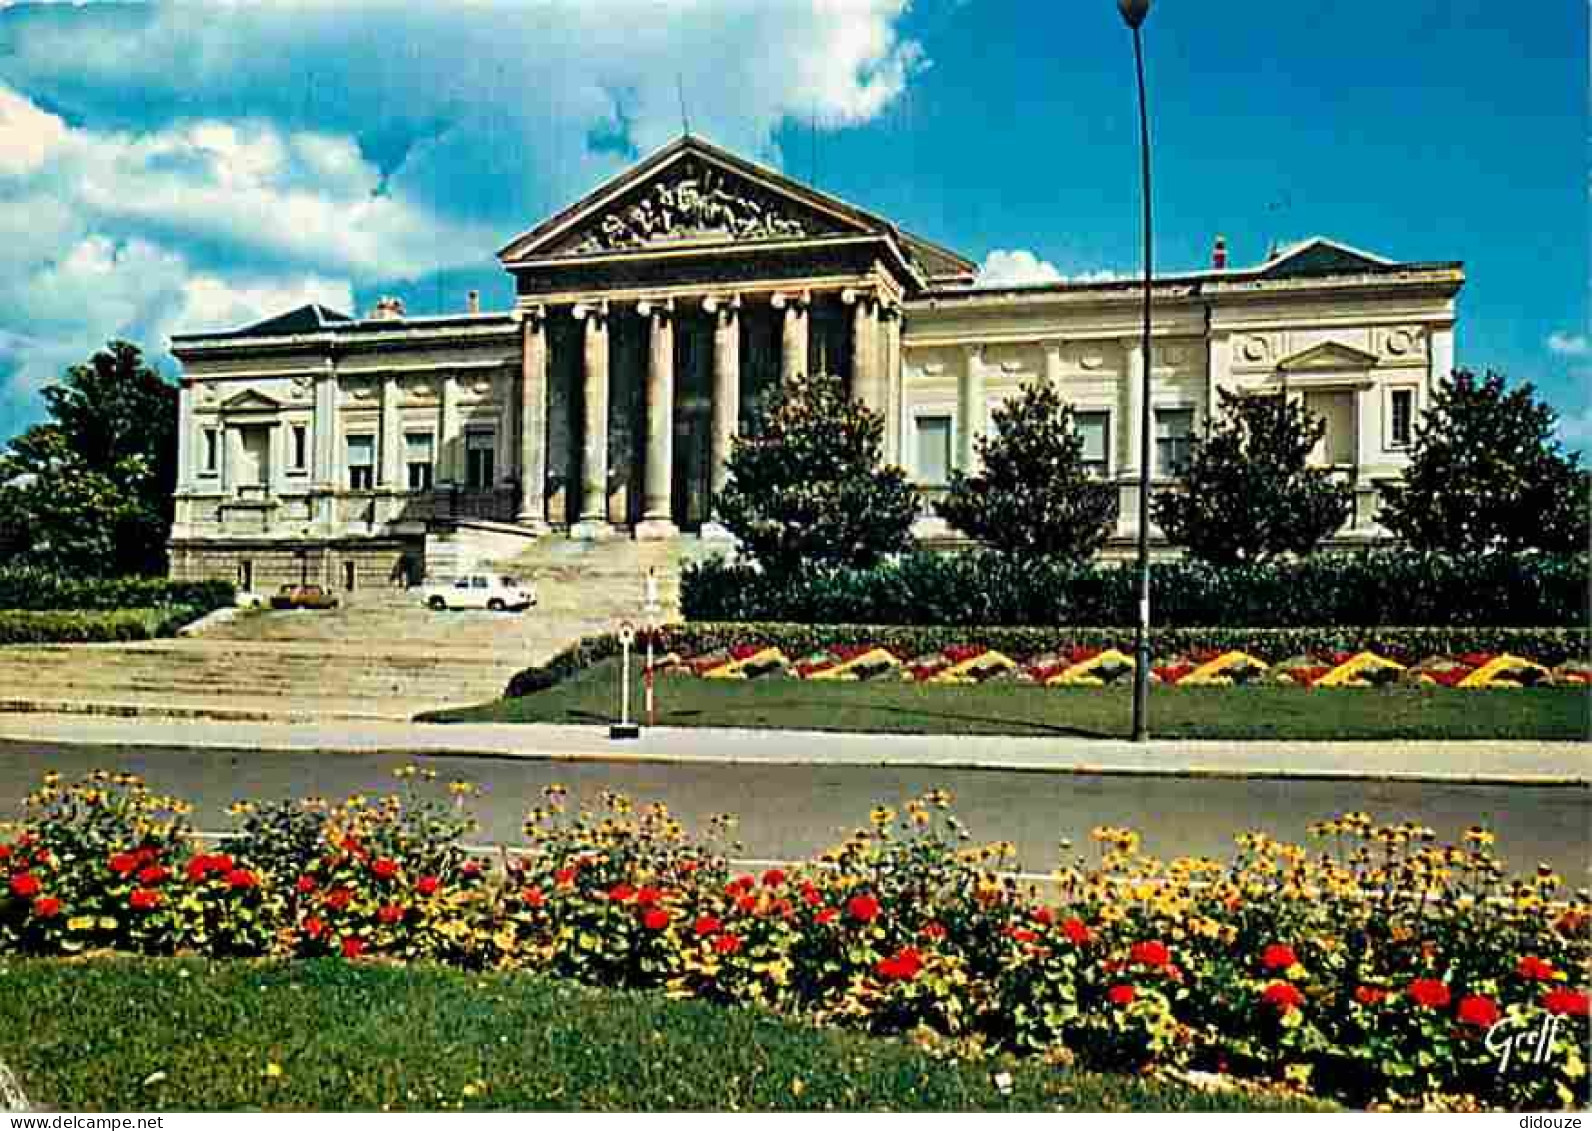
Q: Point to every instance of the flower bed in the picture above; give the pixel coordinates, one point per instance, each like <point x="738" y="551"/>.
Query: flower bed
<point x="1379" y="967"/>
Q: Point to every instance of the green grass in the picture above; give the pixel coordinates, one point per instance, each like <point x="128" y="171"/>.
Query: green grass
<point x="139" y="1035"/>
<point x="890" y="707"/>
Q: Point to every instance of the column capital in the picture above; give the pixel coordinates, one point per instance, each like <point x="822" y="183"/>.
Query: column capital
<point x="596" y="310"/>
<point x="793" y="300"/>
<point x="533" y="317"/>
<point x="890" y="309"/>
<point x="973" y="351"/>
<point x="1052" y="346"/>
<point x="859" y="296"/>
<point x="725" y="306"/>
<point x="656" y="307"/>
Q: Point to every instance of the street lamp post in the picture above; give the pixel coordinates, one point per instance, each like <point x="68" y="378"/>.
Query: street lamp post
<point x="1134" y="13"/>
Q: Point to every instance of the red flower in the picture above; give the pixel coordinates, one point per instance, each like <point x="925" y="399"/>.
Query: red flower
<point x="827" y="915"/>
<point x="313" y="927"/>
<point x="1077" y="932"/>
<point x="564" y="877"/>
<point x="242" y="878"/>
<point x="773" y="878"/>
<point x="305" y="885"/>
<point x="1534" y="969"/>
<point x="145" y="856"/>
<point x="934" y="931"/>
<point x="1478" y="1010"/>
<point x="1285" y="997"/>
<point x="47" y="907"/>
<point x="1278" y="956"/>
<point x="5" y="852"/>
<point x="427" y="885"/>
<point x="1370" y="995"/>
<point x="648" y="897"/>
<point x="24" y="885"/>
<point x="740" y="885"/>
<point x="1570" y="1003"/>
<point x="1022" y="934"/>
<point x="811" y="896"/>
<point x="1150" y="953"/>
<point x="1430" y="992"/>
<point x="353" y="946"/>
<point x="1121" y="995"/>
<point x="153" y="875"/>
<point x="390" y="913"/>
<point x="123" y="863"/>
<point x="532" y="897"/>
<point x="903" y="966"/>
<point x="655" y="919"/>
<point x="202" y="865"/>
<point x="619" y="893"/>
<point x="338" y="899"/>
<point x="863" y="908"/>
<point x="746" y="904"/>
<point x="144" y="899"/>
<point x="726" y="944"/>
<point x="1043" y="916"/>
<point x="707" y="925"/>
<point x="384" y="868"/>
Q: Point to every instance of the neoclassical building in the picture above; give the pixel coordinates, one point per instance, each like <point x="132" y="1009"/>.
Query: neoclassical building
<point x="649" y="317"/>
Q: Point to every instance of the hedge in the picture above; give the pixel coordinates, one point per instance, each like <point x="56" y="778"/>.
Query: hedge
<point x="22" y="588"/>
<point x="985" y="589"/>
<point x="1547" y="646"/>
<point x="78" y="626"/>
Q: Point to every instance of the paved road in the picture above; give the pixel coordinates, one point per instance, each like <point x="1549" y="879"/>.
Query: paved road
<point x="790" y="811"/>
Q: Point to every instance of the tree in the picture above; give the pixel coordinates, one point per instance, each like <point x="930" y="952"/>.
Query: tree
<point x="1032" y="495"/>
<point x="1248" y="493"/>
<point x="1486" y="473"/>
<point x="89" y="491"/>
<point x="807" y="484"/>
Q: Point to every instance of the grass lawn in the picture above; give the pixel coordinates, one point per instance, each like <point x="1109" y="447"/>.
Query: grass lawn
<point x="887" y="706"/>
<point x="139" y="1035"/>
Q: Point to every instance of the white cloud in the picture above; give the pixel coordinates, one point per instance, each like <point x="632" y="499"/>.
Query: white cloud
<point x="28" y="136"/>
<point x="1569" y="345"/>
<point x="1575" y="431"/>
<point x="1020" y="267"/>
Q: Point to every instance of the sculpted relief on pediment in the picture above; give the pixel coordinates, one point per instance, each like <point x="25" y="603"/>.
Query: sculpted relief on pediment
<point x="691" y="202"/>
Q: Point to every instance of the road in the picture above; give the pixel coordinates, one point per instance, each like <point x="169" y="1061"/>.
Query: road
<point x="788" y="812"/>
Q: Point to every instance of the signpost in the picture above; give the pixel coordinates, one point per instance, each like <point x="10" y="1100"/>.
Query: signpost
<point x="651" y="607"/>
<point x="624" y="728"/>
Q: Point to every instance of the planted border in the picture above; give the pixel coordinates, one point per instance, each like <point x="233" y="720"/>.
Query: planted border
<point x="28" y="626"/>
<point x="40" y="591"/>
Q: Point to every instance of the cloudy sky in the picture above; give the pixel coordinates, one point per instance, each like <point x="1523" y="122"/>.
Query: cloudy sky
<point x="193" y="166"/>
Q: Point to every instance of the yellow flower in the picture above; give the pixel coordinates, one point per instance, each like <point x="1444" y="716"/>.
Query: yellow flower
<point x="881" y="815"/>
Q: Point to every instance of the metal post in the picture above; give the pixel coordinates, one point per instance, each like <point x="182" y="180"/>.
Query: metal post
<point x="1141" y="667"/>
<point x="624" y="728"/>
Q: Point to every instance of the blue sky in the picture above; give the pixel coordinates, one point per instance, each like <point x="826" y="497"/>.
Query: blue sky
<point x="184" y="167"/>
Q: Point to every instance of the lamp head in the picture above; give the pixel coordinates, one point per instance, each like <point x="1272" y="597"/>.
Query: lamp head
<point x="1134" y="12"/>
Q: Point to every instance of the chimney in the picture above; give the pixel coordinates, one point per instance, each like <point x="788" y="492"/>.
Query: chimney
<point x="472" y="302"/>
<point x="1219" y="254"/>
<point x="388" y="308"/>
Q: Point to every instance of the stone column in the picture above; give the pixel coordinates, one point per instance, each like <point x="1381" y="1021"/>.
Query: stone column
<point x="593" y="513"/>
<point x="1053" y="365"/>
<point x="390" y="457"/>
<point x="726" y="314"/>
<point x="793" y="337"/>
<point x="324" y="427"/>
<point x="533" y="420"/>
<point x="973" y="409"/>
<point x="188" y="438"/>
<point x="865" y="383"/>
<point x="1441" y="352"/>
<point x="231" y="458"/>
<point x="450" y="438"/>
<point x="657" y="485"/>
<point x="1131" y="400"/>
<point x="890" y="331"/>
<point x="277" y="445"/>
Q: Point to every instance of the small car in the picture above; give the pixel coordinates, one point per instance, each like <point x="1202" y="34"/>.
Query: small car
<point x="303" y="597"/>
<point x="481" y="591"/>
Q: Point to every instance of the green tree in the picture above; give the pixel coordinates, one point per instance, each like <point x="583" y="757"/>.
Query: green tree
<point x="88" y="491"/>
<point x="1248" y="493"/>
<point x="1487" y="473"/>
<point x="1032" y="495"/>
<point x="807" y="484"/>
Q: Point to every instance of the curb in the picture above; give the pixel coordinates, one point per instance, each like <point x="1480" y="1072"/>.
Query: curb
<point x="178" y="711"/>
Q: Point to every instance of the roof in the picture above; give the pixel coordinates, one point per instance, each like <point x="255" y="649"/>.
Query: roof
<point x="311" y="318"/>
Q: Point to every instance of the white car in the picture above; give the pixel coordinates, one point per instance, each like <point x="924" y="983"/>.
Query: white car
<point x="481" y="591"/>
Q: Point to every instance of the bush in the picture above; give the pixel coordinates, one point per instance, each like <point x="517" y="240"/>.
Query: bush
<point x="980" y="589"/>
<point x="22" y="588"/>
<point x="1371" y="968"/>
<point x="29" y="627"/>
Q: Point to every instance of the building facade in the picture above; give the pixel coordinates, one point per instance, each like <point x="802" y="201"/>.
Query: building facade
<point x="652" y="314"/>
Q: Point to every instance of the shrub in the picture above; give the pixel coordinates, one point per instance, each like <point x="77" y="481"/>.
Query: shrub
<point x="22" y="588"/>
<point x="30" y="627"/>
<point x="980" y="589"/>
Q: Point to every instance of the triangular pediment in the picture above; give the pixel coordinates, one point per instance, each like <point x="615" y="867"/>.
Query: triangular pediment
<point x="1320" y="256"/>
<point x="250" y="401"/>
<point x="1334" y="356"/>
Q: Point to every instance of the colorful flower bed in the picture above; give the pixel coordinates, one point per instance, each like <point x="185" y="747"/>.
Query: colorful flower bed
<point x="1377" y="967"/>
<point x="1102" y="666"/>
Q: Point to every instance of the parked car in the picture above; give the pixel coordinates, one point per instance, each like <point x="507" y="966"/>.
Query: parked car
<point x="303" y="597"/>
<point x="481" y="591"/>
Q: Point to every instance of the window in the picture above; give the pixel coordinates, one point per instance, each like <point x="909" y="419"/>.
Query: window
<point x="301" y="448"/>
<point x="417" y="449"/>
<point x="350" y="576"/>
<point x="1174" y="439"/>
<point x="934" y="449"/>
<point x="212" y="451"/>
<point x="1095" y="428"/>
<point x="1402" y="412"/>
<point x="479" y="451"/>
<point x="478" y="583"/>
<point x="246" y="575"/>
<point x="361" y="463"/>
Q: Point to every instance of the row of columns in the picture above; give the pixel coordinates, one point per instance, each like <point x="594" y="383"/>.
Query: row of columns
<point x="869" y="376"/>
